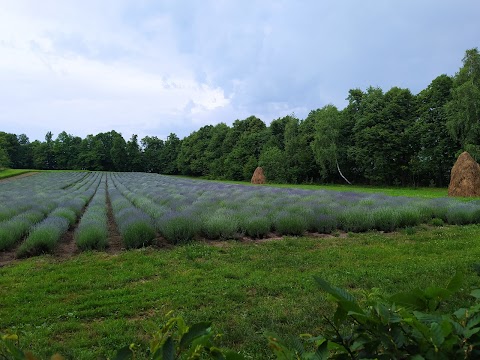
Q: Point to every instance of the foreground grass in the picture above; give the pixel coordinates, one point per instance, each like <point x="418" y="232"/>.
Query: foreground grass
<point x="7" y="173"/>
<point x="424" y="192"/>
<point x="90" y="305"/>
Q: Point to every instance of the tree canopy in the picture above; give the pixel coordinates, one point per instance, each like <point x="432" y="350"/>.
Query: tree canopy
<point x="381" y="137"/>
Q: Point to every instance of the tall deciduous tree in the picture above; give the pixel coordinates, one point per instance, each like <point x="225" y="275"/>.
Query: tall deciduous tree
<point x="119" y="154"/>
<point x="327" y="141"/>
<point x="436" y="154"/>
<point x="463" y="110"/>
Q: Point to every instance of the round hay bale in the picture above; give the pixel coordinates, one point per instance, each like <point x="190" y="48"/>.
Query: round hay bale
<point x="465" y="177"/>
<point x="258" y="176"/>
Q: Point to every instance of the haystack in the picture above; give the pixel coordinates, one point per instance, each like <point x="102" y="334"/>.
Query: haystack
<point x="258" y="176"/>
<point x="465" y="177"/>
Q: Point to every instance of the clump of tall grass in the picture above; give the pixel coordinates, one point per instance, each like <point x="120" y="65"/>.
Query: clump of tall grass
<point x="44" y="237"/>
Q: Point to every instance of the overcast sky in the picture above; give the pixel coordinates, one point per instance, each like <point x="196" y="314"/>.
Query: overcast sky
<point x="155" y="67"/>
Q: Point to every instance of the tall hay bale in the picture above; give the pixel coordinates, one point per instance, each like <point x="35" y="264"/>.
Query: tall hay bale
<point x="258" y="176"/>
<point x="465" y="177"/>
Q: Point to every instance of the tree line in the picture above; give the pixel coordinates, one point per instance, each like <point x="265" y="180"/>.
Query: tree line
<point x="387" y="138"/>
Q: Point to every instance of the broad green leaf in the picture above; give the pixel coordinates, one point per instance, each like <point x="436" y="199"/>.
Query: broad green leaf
<point x="336" y="292"/>
<point x="473" y="321"/>
<point x="413" y="299"/>
<point x="437" y="293"/>
<point x="322" y="352"/>
<point x="460" y="313"/>
<point x="417" y="357"/>
<point x="340" y="315"/>
<point x="456" y="283"/>
<point x="476" y="293"/>
<point x="194" y="332"/>
<point x="168" y="349"/>
<point x="351" y="307"/>
<point x="16" y="352"/>
<point x="124" y="353"/>
<point x="437" y="334"/>
<point x="231" y="355"/>
<point x="427" y="318"/>
<point x="469" y="333"/>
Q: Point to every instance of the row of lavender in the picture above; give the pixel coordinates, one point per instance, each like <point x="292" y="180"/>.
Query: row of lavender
<point x="182" y="209"/>
<point x="42" y="208"/>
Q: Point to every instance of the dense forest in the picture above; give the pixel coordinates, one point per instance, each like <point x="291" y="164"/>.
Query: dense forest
<point x="388" y="138"/>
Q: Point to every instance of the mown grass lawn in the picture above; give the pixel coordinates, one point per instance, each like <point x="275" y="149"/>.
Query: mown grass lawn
<point x="7" y="173"/>
<point x="94" y="303"/>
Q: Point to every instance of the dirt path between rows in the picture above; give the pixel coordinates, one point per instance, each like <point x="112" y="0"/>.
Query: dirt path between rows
<point x="115" y="244"/>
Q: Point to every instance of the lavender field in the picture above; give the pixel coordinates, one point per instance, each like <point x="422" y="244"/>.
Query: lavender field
<point x="40" y="212"/>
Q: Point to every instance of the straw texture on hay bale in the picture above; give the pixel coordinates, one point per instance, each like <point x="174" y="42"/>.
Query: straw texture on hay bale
<point x="465" y="177"/>
<point x="258" y="176"/>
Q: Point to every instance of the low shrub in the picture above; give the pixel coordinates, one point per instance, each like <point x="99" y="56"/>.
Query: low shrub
<point x="256" y="227"/>
<point x="44" y="236"/>
<point x="138" y="233"/>
<point x="92" y="236"/>
<point x="290" y="224"/>
<point x="436" y="222"/>
<point x="355" y="220"/>
<point x="385" y="219"/>
<point x="65" y="213"/>
<point x="220" y="225"/>
<point x="178" y="229"/>
<point x="11" y="231"/>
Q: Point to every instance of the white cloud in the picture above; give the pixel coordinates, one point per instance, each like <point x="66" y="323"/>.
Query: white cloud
<point x="142" y="90"/>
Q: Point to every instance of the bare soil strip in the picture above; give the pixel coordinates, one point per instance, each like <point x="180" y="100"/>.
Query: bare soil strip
<point x="6" y="257"/>
<point x="115" y="244"/>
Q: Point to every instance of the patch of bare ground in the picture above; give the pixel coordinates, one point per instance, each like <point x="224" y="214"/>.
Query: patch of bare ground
<point x="16" y="177"/>
<point x="115" y="244"/>
<point x="67" y="247"/>
<point x="7" y="257"/>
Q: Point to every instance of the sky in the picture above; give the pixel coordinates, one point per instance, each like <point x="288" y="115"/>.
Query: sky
<point x="153" y="68"/>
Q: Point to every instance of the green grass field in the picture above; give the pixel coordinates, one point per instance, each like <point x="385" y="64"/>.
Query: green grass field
<point x="94" y="303"/>
<point x="7" y="173"/>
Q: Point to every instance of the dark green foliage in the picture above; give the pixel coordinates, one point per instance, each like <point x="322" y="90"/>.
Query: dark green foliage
<point x="176" y="340"/>
<point x="403" y="326"/>
<point x="437" y="222"/>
